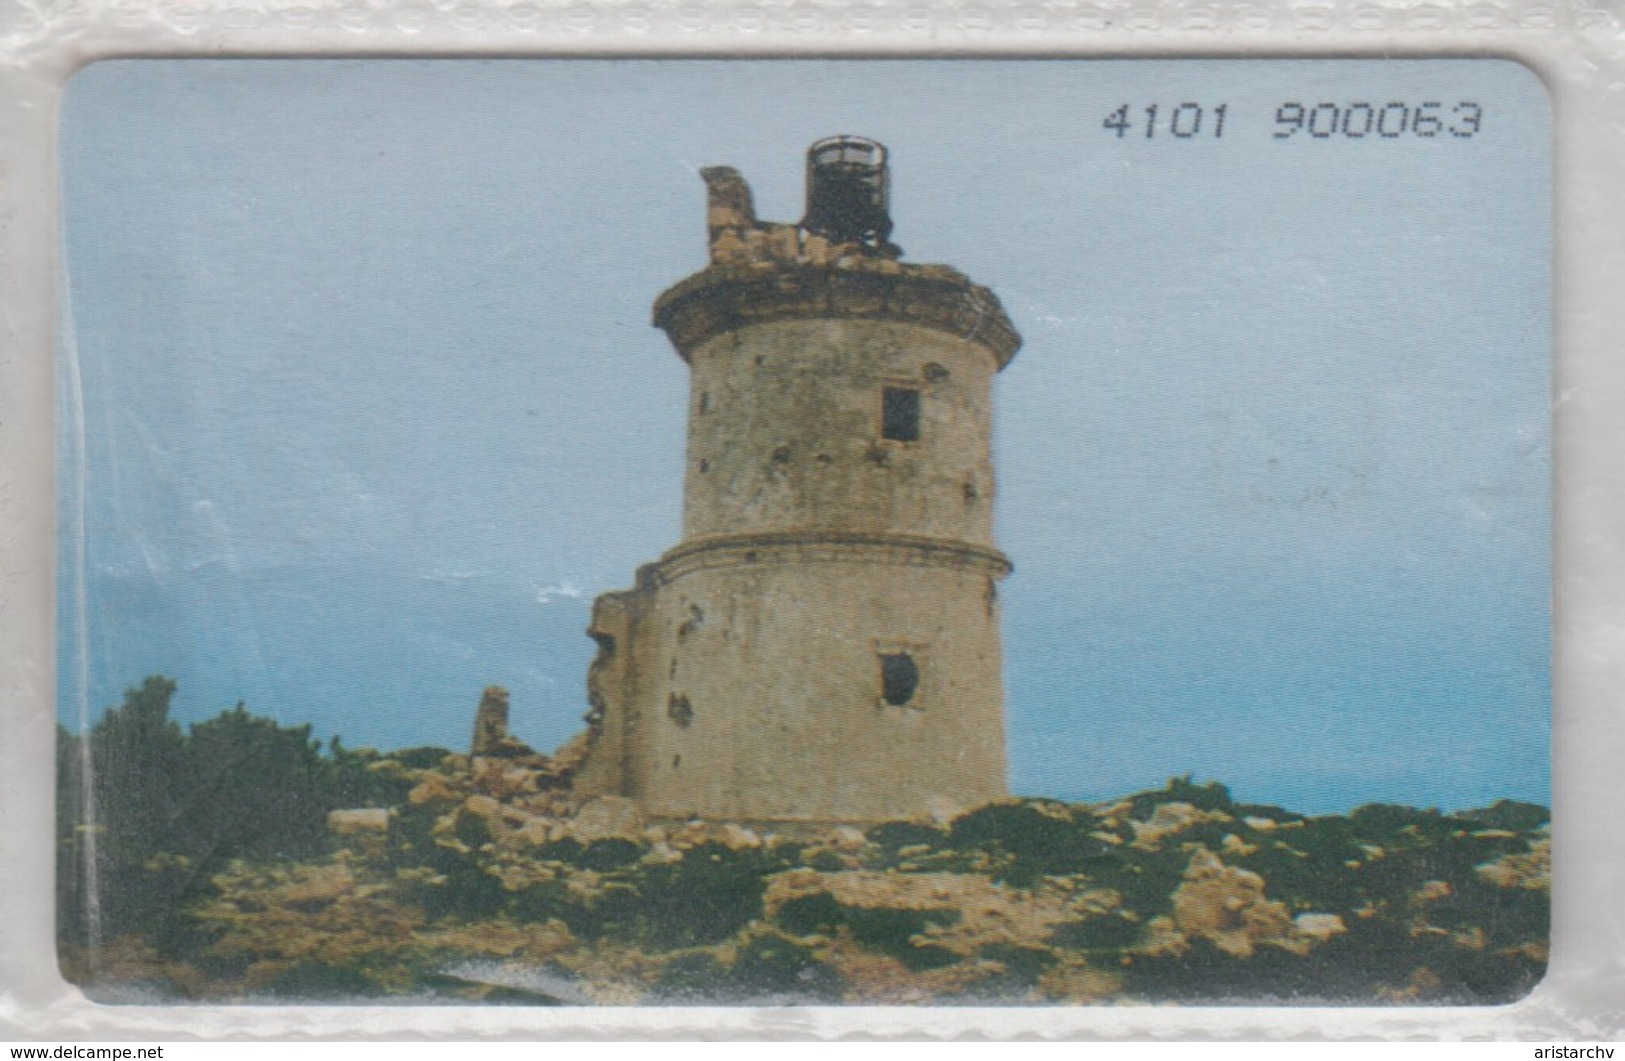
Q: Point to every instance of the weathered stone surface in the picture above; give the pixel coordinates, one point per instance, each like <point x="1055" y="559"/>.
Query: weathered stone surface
<point x="533" y="833"/>
<point x="738" y="837"/>
<point x="433" y="789"/>
<point x="391" y="770"/>
<point x="359" y="820"/>
<point x="501" y="779"/>
<point x="1319" y="926"/>
<point x="837" y="515"/>
<point x="847" y="838"/>
<point x="492" y="812"/>
<point x="605" y="817"/>
<point x="1227" y="906"/>
<point x="986" y="914"/>
<point x="916" y="916"/>
<point x="1432" y="891"/>
<point x="692" y="834"/>
<point x="490" y="722"/>
<point x="1171" y="819"/>
<point x="1532" y="871"/>
<point x="317" y="885"/>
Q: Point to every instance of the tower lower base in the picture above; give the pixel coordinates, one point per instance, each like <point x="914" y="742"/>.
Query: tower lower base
<point x="816" y="680"/>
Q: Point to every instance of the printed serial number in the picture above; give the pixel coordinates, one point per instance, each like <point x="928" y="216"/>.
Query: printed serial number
<point x="1185" y="121"/>
<point x="1390" y="121"/>
<point x="1319" y="121"/>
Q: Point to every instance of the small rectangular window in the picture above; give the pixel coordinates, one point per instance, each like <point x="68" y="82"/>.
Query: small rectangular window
<point x="900" y="414"/>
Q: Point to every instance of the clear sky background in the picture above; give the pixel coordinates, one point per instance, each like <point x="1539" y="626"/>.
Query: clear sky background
<point x="361" y="405"/>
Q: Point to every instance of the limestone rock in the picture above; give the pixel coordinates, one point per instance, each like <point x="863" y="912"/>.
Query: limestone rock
<point x="360" y="820"/>
<point x="988" y="913"/>
<point x="502" y="778"/>
<point x="1532" y="871"/>
<point x="318" y="885"/>
<point x="433" y="789"/>
<point x="533" y="833"/>
<point x="1163" y="939"/>
<point x="1226" y="905"/>
<point x="391" y="770"/>
<point x="738" y="838"/>
<point x="1319" y="926"/>
<point x="1432" y="891"/>
<point x="490" y="811"/>
<point x="847" y="838"/>
<point x="1170" y="819"/>
<point x="606" y="817"/>
<point x="692" y="834"/>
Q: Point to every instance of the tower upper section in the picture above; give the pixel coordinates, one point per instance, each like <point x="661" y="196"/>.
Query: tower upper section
<point x="837" y="263"/>
<point x="836" y="391"/>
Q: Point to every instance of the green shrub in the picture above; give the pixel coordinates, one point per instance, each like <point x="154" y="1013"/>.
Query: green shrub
<point x="613" y="853"/>
<point x="1035" y="840"/>
<point x="318" y="981"/>
<point x="710" y="894"/>
<point x="1509" y="814"/>
<point x="695" y="978"/>
<point x="1211" y="796"/>
<point x="894" y="835"/>
<point x="773" y="969"/>
<point x="1104" y="932"/>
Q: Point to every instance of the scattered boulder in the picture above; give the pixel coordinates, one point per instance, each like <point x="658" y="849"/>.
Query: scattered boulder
<point x="317" y="886"/>
<point x="1226" y="906"/>
<point x="847" y="838"/>
<point x="1432" y="891"/>
<point x="433" y="789"/>
<point x="692" y="834"/>
<point x="533" y="833"/>
<point x="503" y="778"/>
<point x="606" y="817"/>
<point x="361" y="820"/>
<point x="1320" y="927"/>
<point x="738" y="838"/>
<point x="1170" y="819"/>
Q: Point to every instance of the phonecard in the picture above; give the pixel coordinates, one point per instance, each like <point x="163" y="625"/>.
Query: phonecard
<point x="742" y="532"/>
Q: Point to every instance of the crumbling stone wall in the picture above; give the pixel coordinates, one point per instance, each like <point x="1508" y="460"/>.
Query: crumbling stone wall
<point x="490" y="722"/>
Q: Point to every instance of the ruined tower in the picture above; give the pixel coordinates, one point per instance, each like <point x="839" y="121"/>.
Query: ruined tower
<point x="823" y="644"/>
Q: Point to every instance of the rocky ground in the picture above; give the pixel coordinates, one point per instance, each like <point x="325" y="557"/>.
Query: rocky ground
<point x="481" y="879"/>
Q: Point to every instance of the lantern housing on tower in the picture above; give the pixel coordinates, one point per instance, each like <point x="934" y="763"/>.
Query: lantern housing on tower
<point x="848" y="193"/>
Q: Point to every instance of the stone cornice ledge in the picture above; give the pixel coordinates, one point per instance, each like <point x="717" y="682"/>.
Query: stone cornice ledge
<point x="736" y="550"/>
<point x="723" y="298"/>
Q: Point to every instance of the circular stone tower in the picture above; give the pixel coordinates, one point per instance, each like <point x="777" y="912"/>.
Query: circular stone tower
<point x="823" y="644"/>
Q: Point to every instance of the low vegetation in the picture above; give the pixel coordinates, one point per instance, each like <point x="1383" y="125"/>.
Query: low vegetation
<point x="208" y="865"/>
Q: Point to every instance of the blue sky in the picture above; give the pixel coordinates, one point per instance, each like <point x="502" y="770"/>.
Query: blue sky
<point x="361" y="406"/>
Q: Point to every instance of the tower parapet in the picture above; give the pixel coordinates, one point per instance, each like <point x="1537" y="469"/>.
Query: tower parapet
<point x="762" y="272"/>
<point x="823" y="644"/>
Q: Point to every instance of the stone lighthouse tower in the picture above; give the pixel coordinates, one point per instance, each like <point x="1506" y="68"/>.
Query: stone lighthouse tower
<point x="823" y="644"/>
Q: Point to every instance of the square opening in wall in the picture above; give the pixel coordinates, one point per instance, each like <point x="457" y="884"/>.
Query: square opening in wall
<point x="900" y="414"/>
